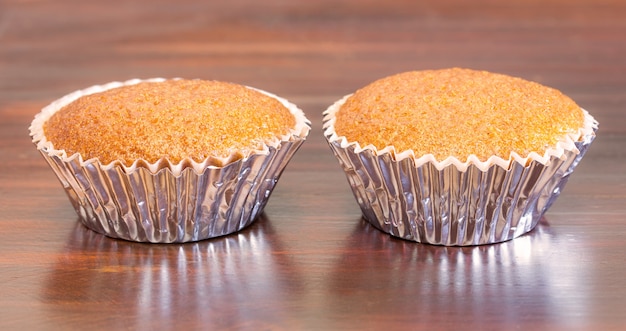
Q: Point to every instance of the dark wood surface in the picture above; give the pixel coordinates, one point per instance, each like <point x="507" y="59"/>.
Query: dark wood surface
<point x="310" y="262"/>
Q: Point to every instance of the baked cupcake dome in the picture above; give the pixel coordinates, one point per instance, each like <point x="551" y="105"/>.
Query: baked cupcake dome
<point x="422" y="169"/>
<point x="169" y="160"/>
<point x="172" y="119"/>
<point x="458" y="112"/>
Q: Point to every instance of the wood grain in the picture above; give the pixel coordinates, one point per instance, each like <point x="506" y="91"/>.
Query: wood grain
<point x="310" y="262"/>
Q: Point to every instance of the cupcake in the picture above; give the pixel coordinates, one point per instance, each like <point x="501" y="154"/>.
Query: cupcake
<point x="455" y="156"/>
<point x="168" y="160"/>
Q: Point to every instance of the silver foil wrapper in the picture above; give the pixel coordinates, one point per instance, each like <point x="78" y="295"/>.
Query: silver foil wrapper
<point x="164" y="208"/>
<point x="451" y="205"/>
<point x="174" y="204"/>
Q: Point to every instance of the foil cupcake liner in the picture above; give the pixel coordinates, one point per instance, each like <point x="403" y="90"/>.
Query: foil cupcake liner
<point x="455" y="203"/>
<point x="163" y="202"/>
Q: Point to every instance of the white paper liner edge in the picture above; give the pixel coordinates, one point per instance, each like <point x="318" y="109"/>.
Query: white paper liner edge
<point x="566" y="144"/>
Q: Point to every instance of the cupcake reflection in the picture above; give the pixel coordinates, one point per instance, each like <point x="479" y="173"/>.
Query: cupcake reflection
<point x="217" y="282"/>
<point x="438" y="284"/>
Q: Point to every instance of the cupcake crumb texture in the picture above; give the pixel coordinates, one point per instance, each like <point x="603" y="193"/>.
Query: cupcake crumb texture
<point x="174" y="119"/>
<point x="458" y="112"/>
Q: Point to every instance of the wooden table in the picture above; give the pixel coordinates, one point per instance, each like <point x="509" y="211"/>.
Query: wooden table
<point x="310" y="262"/>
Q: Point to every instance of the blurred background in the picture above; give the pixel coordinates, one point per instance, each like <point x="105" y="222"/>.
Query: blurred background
<point x="310" y="49"/>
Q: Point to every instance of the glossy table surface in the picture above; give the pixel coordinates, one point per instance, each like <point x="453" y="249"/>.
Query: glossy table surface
<point x="310" y="262"/>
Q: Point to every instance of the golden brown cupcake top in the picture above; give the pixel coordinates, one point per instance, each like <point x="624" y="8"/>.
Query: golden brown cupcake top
<point x="173" y="119"/>
<point x="458" y="112"/>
